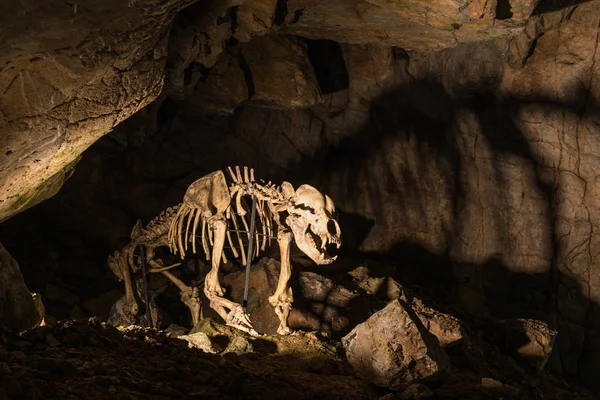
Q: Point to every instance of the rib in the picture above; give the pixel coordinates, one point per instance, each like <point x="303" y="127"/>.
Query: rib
<point x="237" y="232"/>
<point x="179" y="230"/>
<point x="238" y="204"/>
<point x="204" y="241"/>
<point x="233" y="249"/>
<point x="261" y="213"/>
<point x="198" y="214"/>
<point x="235" y="179"/>
<point x="187" y="227"/>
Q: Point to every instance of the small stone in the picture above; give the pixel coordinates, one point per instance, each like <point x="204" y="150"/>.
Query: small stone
<point x="104" y="380"/>
<point x="55" y="366"/>
<point x="51" y="341"/>
<point x="89" y="369"/>
<point x="491" y="383"/>
<point x="416" y="391"/>
<point x="4" y="369"/>
<point x="18" y="355"/>
<point x="238" y="345"/>
<point x="201" y="341"/>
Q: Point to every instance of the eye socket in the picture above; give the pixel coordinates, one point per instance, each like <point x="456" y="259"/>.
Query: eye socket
<point x="331" y="228"/>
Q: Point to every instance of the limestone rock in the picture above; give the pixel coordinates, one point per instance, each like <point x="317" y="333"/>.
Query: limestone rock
<point x="254" y="17"/>
<point x="321" y="304"/>
<point x="282" y="76"/>
<point x="67" y="81"/>
<point x="201" y="341"/>
<point x="17" y="306"/>
<point x="529" y="341"/>
<point x="416" y="391"/>
<point x="392" y="349"/>
<point x="445" y="327"/>
<point x="415" y="25"/>
<point x="224" y="89"/>
<point x="238" y="345"/>
<point x="263" y="282"/>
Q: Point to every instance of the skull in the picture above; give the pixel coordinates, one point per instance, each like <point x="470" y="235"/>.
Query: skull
<point x="312" y="220"/>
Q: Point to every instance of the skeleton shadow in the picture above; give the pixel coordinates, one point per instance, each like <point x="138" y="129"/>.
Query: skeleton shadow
<point x="424" y="110"/>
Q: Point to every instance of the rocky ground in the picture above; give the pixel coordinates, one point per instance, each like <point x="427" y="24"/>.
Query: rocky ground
<point x="89" y="359"/>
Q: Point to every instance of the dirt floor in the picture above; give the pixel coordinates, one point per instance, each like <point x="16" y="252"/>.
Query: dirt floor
<point x="88" y="359"/>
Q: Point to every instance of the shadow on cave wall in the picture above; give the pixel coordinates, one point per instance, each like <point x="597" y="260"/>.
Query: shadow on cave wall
<point x="425" y="110"/>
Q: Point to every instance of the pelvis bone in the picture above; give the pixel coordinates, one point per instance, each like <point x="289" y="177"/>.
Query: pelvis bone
<point x="214" y="212"/>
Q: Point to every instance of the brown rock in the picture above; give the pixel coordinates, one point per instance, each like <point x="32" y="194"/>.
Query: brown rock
<point x="17" y="308"/>
<point x="530" y="341"/>
<point x="282" y="76"/>
<point x="254" y="18"/>
<point x="392" y="349"/>
<point x="71" y="79"/>
<point x="414" y="25"/>
<point x="224" y="89"/>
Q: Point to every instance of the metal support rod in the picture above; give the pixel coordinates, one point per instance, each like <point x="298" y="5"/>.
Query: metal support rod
<point x="145" y="285"/>
<point x="250" y="249"/>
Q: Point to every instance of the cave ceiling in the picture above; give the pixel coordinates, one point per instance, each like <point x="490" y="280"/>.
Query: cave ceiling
<point x="71" y="71"/>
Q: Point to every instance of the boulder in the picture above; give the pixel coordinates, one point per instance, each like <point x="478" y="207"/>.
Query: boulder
<point x="393" y="349"/>
<point x="17" y="306"/>
<point x="530" y="342"/>
<point x="281" y="74"/>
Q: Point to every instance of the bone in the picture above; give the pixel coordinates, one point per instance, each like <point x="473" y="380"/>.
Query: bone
<point x="180" y="229"/>
<point x="187" y="227"/>
<point x="198" y="214"/>
<point x="237" y="232"/>
<point x="235" y="179"/>
<point x="161" y="269"/>
<point x="238" y="173"/>
<point x="238" y="204"/>
<point x="246" y="177"/>
<point x="230" y="241"/>
<point x="261" y="213"/>
<point x="189" y="296"/>
<point x="205" y="240"/>
<point x="269" y="221"/>
<point x="171" y="233"/>
<point x="246" y="227"/>
<point x="210" y="235"/>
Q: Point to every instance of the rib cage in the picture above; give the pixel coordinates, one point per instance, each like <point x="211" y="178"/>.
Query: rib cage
<point x="155" y="233"/>
<point x="184" y="226"/>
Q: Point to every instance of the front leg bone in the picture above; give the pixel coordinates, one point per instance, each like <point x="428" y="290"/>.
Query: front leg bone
<point x="282" y="298"/>
<point x="236" y="317"/>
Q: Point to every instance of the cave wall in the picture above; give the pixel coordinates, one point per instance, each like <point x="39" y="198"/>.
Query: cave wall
<point x="476" y="163"/>
<point x="475" y="166"/>
<point x="70" y="73"/>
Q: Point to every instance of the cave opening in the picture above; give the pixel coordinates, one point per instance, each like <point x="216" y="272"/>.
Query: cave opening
<point x="503" y="10"/>
<point x="458" y="168"/>
<point x="328" y="62"/>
